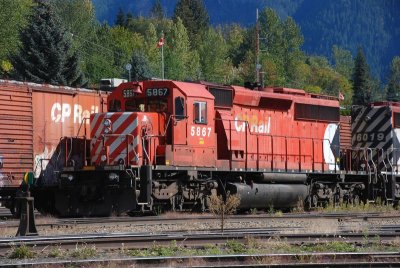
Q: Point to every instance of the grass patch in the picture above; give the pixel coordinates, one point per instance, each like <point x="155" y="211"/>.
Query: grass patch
<point x="84" y="252"/>
<point x="235" y="247"/>
<point x="334" y="246"/>
<point x="378" y="207"/>
<point x="276" y="245"/>
<point x="56" y="253"/>
<point x="162" y="251"/>
<point x="22" y="252"/>
<point x="211" y="250"/>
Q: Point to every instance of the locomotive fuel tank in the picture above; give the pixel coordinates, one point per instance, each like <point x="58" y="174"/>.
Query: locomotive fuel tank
<point x="263" y="196"/>
<point x="281" y="178"/>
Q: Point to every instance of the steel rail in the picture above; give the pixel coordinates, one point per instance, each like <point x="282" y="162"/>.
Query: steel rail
<point x="193" y="239"/>
<point x="328" y="259"/>
<point x="199" y="218"/>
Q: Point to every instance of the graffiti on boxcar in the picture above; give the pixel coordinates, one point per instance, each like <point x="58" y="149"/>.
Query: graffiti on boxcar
<point x="42" y="160"/>
<point x="61" y="112"/>
<point x="256" y="125"/>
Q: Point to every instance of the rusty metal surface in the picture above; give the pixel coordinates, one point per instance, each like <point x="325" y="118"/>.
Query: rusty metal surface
<point x="345" y="132"/>
<point x="33" y="119"/>
<point x="16" y="132"/>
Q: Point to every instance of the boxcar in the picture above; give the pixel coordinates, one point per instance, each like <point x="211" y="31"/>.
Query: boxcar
<point x="33" y="119"/>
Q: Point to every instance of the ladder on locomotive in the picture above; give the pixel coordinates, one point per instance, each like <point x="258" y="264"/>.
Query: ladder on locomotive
<point x="378" y="165"/>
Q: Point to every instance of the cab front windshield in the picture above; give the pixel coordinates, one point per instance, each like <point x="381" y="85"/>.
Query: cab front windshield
<point x="152" y="105"/>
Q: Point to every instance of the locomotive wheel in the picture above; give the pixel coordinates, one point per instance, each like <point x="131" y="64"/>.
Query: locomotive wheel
<point x="336" y="200"/>
<point x="356" y="200"/>
<point x="315" y="201"/>
<point x="308" y="203"/>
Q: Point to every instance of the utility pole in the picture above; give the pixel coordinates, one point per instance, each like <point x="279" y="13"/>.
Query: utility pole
<point x="258" y="65"/>
<point x="161" y="42"/>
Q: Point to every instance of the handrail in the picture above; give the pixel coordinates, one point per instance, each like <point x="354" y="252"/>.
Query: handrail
<point x="370" y="154"/>
<point x="373" y="163"/>
<point x="384" y="162"/>
<point x="391" y="162"/>
<point x="80" y="126"/>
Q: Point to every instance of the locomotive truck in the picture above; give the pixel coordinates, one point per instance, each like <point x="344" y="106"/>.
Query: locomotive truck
<point x="172" y="144"/>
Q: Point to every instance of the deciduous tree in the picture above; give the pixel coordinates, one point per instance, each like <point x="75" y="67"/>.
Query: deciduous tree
<point x="213" y="53"/>
<point x="180" y="62"/>
<point x="13" y="18"/>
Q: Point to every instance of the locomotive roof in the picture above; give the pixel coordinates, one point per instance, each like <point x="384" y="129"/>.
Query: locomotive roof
<point x="241" y="95"/>
<point x="253" y="97"/>
<point x="187" y="88"/>
<point x="193" y="89"/>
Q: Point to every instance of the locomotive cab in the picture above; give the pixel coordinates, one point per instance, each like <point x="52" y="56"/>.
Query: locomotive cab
<point x="174" y="123"/>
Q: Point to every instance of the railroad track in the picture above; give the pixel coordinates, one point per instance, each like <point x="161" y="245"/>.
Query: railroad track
<point x="54" y="222"/>
<point x="387" y="233"/>
<point x="317" y="260"/>
<point x="192" y="239"/>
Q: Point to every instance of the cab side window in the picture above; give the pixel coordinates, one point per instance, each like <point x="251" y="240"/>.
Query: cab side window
<point x="200" y="112"/>
<point x="114" y="106"/>
<point x="179" y="108"/>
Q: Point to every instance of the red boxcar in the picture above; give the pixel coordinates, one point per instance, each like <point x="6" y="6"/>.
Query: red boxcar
<point x="33" y="119"/>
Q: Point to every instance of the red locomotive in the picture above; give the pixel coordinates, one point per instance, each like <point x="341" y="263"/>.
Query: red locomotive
<point x="173" y="144"/>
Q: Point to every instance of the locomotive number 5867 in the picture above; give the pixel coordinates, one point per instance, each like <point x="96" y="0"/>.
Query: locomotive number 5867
<point x="200" y="131"/>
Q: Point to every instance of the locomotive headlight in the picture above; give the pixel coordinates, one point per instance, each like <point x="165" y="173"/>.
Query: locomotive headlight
<point x="107" y="130"/>
<point x="113" y="177"/>
<point x="103" y="158"/>
<point x="70" y="177"/>
<point x="107" y="123"/>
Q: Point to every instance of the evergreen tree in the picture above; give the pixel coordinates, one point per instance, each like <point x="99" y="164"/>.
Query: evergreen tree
<point x="45" y="55"/>
<point x="129" y="18"/>
<point x="157" y="11"/>
<point x="362" y="91"/>
<point x="393" y="88"/>
<point x="140" y="67"/>
<point x="121" y="18"/>
<point x="343" y="61"/>
<point x="194" y="17"/>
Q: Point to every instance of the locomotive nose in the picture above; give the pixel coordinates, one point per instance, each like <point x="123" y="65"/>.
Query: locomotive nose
<point x="115" y="138"/>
